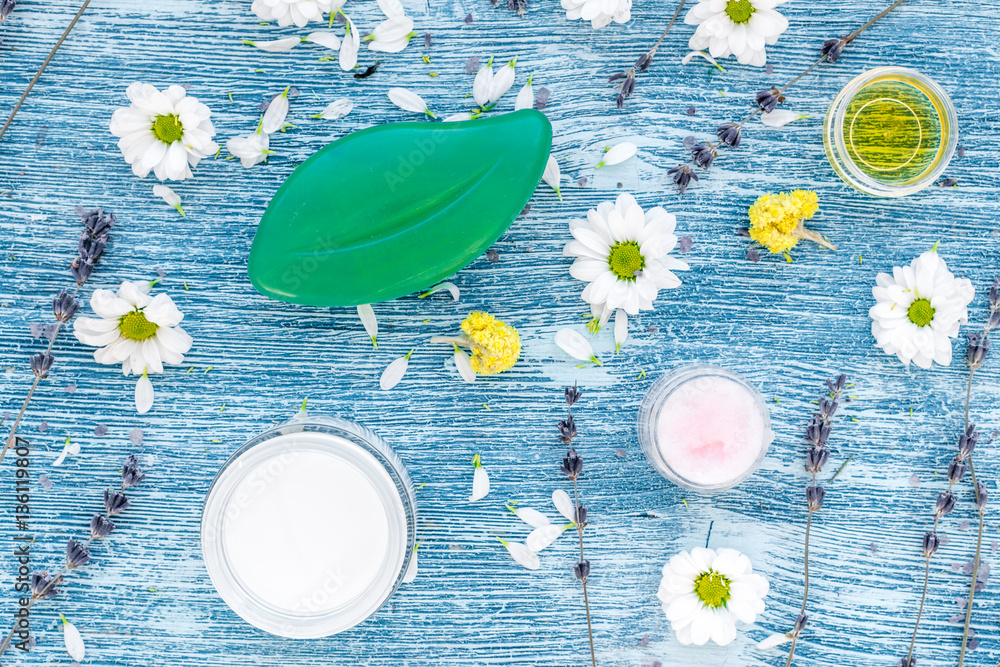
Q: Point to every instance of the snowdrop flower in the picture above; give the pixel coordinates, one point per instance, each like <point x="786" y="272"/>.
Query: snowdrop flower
<point x="391" y="35"/>
<point x="622" y="253"/>
<point x="780" y="117"/>
<point x="163" y="131"/>
<point x="407" y="100"/>
<point x="74" y="642"/>
<point x="349" y="46"/>
<point x="451" y="287"/>
<point x="736" y="27"/>
<point x="394" y="372"/>
<point x="482" y="83"/>
<point x="367" y="315"/>
<point x="617" y="153"/>
<point x="522" y="555"/>
<point x="599" y="12"/>
<point x="336" y="110"/>
<point x="169" y="196"/>
<point x="252" y="149"/>
<point x="621" y="329"/>
<point x="480" y="480"/>
<point x="543" y="536"/>
<point x="69" y="449"/>
<point x="324" y="38"/>
<point x="287" y="12"/>
<point x="575" y="345"/>
<point x="564" y="504"/>
<point x="552" y="175"/>
<point x="918" y="310"/>
<point x="501" y="82"/>
<point x="276" y="45"/>
<point x="140" y="332"/>
<point x="705" y="591"/>
<point x="525" y="97"/>
<point x="533" y="518"/>
<point x="277" y="111"/>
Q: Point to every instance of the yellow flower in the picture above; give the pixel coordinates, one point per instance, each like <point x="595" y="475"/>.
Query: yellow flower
<point x="776" y="220"/>
<point x="495" y="346"/>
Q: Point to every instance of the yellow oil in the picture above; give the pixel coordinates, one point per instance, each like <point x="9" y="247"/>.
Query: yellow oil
<point x="894" y="130"/>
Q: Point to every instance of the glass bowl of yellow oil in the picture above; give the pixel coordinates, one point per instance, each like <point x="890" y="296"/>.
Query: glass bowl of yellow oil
<point x="890" y="132"/>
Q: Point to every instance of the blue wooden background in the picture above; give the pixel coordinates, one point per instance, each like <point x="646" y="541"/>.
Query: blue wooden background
<point x="147" y="600"/>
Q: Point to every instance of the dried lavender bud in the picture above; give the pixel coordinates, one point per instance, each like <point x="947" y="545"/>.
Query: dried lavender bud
<point x="814" y="496"/>
<point x="427" y="40"/>
<point x="730" y="134"/>
<point x="817" y="432"/>
<point x="572" y="395"/>
<point x="981" y="495"/>
<point x="519" y="6"/>
<point x="131" y="472"/>
<point x="832" y="48"/>
<point x="800" y="624"/>
<point x="995" y="294"/>
<point x="828" y="408"/>
<point x="581" y="515"/>
<point x="582" y="570"/>
<point x="625" y="90"/>
<point x="967" y="443"/>
<point x="100" y="526"/>
<point x="816" y="459"/>
<point x="97" y="224"/>
<point x="81" y="270"/>
<point x="616" y="76"/>
<point x="908" y="661"/>
<point x="682" y="176"/>
<point x="567" y="429"/>
<point x="572" y="465"/>
<point x="979" y="347"/>
<point x="643" y="63"/>
<point x="956" y="470"/>
<point x="6" y="7"/>
<point x="76" y="555"/>
<point x="41" y="363"/>
<point x="703" y="155"/>
<point x="931" y="544"/>
<point x="64" y="306"/>
<point x="115" y="502"/>
<point x="44" y="585"/>
<point x="767" y="100"/>
<point x="945" y="503"/>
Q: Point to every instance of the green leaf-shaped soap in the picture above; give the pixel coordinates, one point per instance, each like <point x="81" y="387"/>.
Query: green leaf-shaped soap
<point x="393" y="209"/>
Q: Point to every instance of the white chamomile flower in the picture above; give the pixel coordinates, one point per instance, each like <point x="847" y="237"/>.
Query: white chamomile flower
<point x="706" y="591"/>
<point x="480" y="480"/>
<point x="336" y="110"/>
<point x="599" y="12"/>
<point x="391" y="35"/>
<point x="736" y="27"/>
<point x="622" y="253"/>
<point x="407" y="100"/>
<point x="617" y="153"/>
<point x="349" y="46"/>
<point x="522" y="555"/>
<point x="525" y="97"/>
<point x="287" y="12"/>
<point x="169" y="196"/>
<point x="277" y="111"/>
<point x="918" y="310"/>
<point x="163" y="131"/>
<point x="252" y="149"/>
<point x="138" y="331"/>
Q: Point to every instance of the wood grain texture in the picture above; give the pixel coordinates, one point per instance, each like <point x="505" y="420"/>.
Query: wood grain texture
<point x="147" y="600"/>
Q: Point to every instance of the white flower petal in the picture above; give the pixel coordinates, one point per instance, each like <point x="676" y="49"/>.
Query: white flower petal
<point x="407" y="100"/>
<point x="480" y="481"/>
<point x="780" y="117"/>
<point x="349" y="47"/>
<point x="481" y="85"/>
<point x="143" y="394"/>
<point x="522" y="555"/>
<point x="532" y="517"/>
<point x="451" y="287"/>
<point x="391" y="8"/>
<point x="773" y="641"/>
<point x="286" y="44"/>
<point x="336" y="110"/>
<point x="169" y="196"/>
<point x="324" y="38"/>
<point x="457" y="117"/>
<point x="618" y="153"/>
<point x="543" y="536"/>
<point x="74" y="641"/>
<point x="575" y="345"/>
<point x="411" y="569"/>
<point x="525" y="98"/>
<point x="564" y="504"/>
<point x="464" y="365"/>
<point x="393" y="373"/>
<point x="552" y="175"/>
<point x="621" y="328"/>
<point x="368" y="320"/>
<point x="501" y="82"/>
<point x="694" y="54"/>
<point x="274" y="117"/>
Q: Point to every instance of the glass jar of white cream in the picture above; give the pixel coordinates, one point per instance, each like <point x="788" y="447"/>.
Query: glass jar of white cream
<point x="309" y="527"/>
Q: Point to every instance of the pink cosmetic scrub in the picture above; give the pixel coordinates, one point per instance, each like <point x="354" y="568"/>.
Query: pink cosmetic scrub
<point x="704" y="428"/>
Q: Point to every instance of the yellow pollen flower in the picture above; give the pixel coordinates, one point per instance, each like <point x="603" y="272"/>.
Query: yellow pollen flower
<point x="777" y="220"/>
<point x="495" y="346"/>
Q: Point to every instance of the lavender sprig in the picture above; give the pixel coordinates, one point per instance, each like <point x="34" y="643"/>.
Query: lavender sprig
<point x="976" y="353"/>
<point x="627" y="77"/>
<point x="817" y="433"/>
<point x="572" y="466"/>
<point x="6" y="7"/>
<point x="730" y="134"/>
<point x="90" y="247"/>
<point x="43" y="585"/>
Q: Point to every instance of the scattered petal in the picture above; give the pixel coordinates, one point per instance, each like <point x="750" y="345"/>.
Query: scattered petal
<point x="545" y="535"/>
<point x="143" y="394"/>
<point x="74" y="642"/>
<point x="407" y="100"/>
<point x="522" y="555"/>
<point x="552" y="175"/>
<point x="69" y="449"/>
<point x="618" y="153"/>
<point x="367" y="315"/>
<point x="324" y="38"/>
<point x="780" y="117"/>
<point x="463" y="362"/>
<point x="451" y="287"/>
<point x="621" y="328"/>
<point x="695" y="54"/>
<point x="391" y="8"/>
<point x="480" y="480"/>
<point x="169" y="196"/>
<point x="575" y="345"/>
<point x="774" y="641"/>
<point x="564" y="504"/>
<point x="274" y="117"/>
<point x="525" y="98"/>
<point x="482" y="84"/>
<point x="457" y="117"/>
<point x="532" y="517"/>
<point x="336" y="110"/>
<point x="286" y="44"/>
<point x="502" y="81"/>
<point x="394" y="372"/>
<point x="349" y="46"/>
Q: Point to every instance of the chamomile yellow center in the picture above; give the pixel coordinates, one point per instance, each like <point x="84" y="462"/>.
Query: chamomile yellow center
<point x="135" y="326"/>
<point x="625" y="260"/>
<point x="712" y="588"/>
<point x="921" y="312"/>
<point x="168" y="128"/>
<point x="740" y="11"/>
